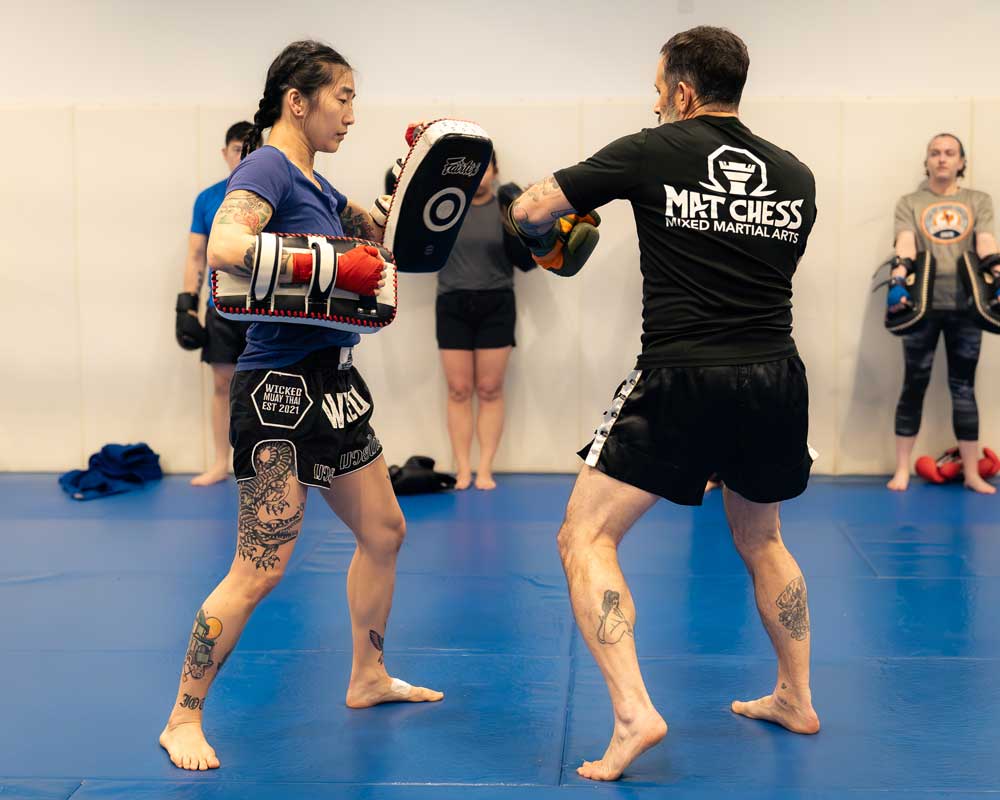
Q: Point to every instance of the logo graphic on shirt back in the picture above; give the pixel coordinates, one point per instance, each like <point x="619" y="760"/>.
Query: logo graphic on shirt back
<point x="947" y="222"/>
<point x="735" y="201"/>
<point x="741" y="168"/>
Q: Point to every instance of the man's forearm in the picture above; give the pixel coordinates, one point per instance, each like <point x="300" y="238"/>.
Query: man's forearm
<point x="536" y="211"/>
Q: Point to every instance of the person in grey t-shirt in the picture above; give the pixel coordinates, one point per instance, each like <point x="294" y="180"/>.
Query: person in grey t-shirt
<point x="945" y="219"/>
<point x="475" y="329"/>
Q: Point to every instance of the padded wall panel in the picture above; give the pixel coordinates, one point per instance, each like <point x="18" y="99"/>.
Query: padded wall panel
<point x="135" y="192"/>
<point x="39" y="309"/>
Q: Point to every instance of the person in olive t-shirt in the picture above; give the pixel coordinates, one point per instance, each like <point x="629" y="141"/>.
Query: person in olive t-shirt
<point x="723" y="217"/>
<point x="946" y="220"/>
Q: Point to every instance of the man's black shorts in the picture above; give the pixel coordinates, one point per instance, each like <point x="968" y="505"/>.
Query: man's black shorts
<point x="225" y="339"/>
<point x="476" y="320"/>
<point x="319" y="405"/>
<point x="670" y="428"/>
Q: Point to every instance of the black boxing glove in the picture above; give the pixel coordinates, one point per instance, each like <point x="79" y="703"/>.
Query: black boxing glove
<point x="188" y="330"/>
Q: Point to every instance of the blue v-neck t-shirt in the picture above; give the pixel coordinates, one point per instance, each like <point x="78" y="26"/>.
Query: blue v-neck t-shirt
<point x="299" y="207"/>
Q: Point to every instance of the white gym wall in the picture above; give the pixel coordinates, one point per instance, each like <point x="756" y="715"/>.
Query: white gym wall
<point x="111" y="120"/>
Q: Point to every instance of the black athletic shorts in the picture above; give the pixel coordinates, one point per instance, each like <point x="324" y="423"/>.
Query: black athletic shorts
<point x="225" y="339"/>
<point x="319" y="405"/>
<point x="476" y="320"/>
<point x="670" y="428"/>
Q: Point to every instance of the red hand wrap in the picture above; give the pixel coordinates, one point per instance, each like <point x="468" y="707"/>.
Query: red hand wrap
<point x="413" y="132"/>
<point x="359" y="270"/>
<point x="302" y="267"/>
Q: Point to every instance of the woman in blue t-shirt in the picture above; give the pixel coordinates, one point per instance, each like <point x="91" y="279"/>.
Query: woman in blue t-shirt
<point x="300" y="412"/>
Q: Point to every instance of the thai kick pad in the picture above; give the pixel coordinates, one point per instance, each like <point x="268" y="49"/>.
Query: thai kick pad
<point x="981" y="287"/>
<point x="438" y="178"/>
<point x="262" y="298"/>
<point x="920" y="285"/>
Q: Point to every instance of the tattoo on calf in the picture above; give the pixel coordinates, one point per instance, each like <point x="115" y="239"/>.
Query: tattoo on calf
<point x="378" y="642"/>
<point x="202" y="646"/>
<point x="264" y="519"/>
<point x="613" y="626"/>
<point x="192" y="702"/>
<point x="793" y="608"/>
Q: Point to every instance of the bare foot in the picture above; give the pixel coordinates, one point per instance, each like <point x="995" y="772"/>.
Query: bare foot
<point x="628" y="742"/>
<point x="463" y="480"/>
<point x="899" y="482"/>
<point x="484" y="480"/>
<point x="977" y="484"/>
<point x="796" y="718"/>
<point x="214" y="475"/>
<point x="388" y="690"/>
<point x="187" y="747"/>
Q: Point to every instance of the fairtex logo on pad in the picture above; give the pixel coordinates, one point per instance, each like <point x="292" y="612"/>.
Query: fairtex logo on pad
<point x="737" y="179"/>
<point x="460" y="165"/>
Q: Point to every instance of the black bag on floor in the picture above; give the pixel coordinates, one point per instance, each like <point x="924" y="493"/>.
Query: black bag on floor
<point x="417" y="476"/>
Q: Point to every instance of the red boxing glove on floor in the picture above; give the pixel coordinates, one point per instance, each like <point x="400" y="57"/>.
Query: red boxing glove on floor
<point x="359" y="270"/>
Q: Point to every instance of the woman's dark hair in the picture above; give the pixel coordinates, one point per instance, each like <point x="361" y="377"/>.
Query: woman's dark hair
<point x="238" y="132"/>
<point x="712" y="61"/>
<point x="303" y="65"/>
<point x="961" y="152"/>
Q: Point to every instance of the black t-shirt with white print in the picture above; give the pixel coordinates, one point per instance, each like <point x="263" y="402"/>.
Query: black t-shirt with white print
<point x="723" y="217"/>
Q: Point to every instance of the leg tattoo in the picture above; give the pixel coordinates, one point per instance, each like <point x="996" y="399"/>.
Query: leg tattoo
<point x="613" y="626"/>
<point x="378" y="642"/>
<point x="192" y="702"/>
<point x="794" y="614"/>
<point x="259" y="539"/>
<point x="203" y="639"/>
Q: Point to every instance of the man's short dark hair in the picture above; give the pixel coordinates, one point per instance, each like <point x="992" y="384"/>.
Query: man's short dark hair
<point x="712" y="61"/>
<point x="238" y="132"/>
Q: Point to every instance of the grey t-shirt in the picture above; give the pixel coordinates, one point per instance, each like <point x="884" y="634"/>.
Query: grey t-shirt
<point x="945" y="225"/>
<point x="477" y="261"/>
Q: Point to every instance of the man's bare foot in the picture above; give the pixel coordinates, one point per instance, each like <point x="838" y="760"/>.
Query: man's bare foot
<point x="484" y="480"/>
<point x="899" y="482"/>
<point x="214" y="475"/>
<point x="977" y="484"/>
<point x="388" y="690"/>
<point x="187" y="747"/>
<point x="463" y="479"/>
<point x="628" y="742"/>
<point x="796" y="718"/>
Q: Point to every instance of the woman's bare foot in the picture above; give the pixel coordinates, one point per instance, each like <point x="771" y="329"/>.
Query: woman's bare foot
<point x="214" y="475"/>
<point x="628" y="742"/>
<point x="900" y="481"/>
<point x="484" y="480"/>
<point x="796" y="717"/>
<point x="388" y="690"/>
<point x="187" y="747"/>
<point x="977" y="484"/>
<point x="463" y="479"/>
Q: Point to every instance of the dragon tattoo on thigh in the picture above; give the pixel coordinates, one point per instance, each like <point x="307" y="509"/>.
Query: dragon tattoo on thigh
<point x="264" y="521"/>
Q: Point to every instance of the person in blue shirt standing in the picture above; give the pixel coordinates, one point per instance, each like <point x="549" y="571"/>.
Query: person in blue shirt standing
<point x="221" y="340"/>
<point x="318" y="432"/>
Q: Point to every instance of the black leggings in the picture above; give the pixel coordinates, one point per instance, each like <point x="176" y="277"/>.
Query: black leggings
<point x="962" y="340"/>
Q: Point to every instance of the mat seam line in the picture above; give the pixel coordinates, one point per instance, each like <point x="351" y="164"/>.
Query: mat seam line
<point x="78" y="788"/>
<point x="857" y="549"/>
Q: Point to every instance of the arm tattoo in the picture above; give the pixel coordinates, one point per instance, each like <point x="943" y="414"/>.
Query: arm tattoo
<point x="244" y="208"/>
<point x="794" y="609"/>
<point x="378" y="642"/>
<point x="264" y="519"/>
<point x="358" y="224"/>
<point x="613" y="625"/>
<point x="204" y="637"/>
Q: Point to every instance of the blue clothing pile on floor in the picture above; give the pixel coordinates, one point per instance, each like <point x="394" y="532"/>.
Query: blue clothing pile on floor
<point x="116" y="468"/>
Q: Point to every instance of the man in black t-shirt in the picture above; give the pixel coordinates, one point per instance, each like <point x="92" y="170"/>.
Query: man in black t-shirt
<point x="722" y="217"/>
